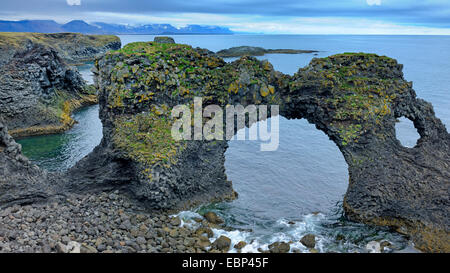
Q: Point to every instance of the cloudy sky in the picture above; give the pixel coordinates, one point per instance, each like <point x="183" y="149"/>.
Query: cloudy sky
<point x="261" y="16"/>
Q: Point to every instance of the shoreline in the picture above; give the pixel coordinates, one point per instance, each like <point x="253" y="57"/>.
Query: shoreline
<point x="67" y="122"/>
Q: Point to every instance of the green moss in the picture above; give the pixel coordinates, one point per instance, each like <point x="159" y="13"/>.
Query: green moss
<point x="146" y="138"/>
<point x="363" y="89"/>
<point x="350" y="133"/>
<point x="180" y="73"/>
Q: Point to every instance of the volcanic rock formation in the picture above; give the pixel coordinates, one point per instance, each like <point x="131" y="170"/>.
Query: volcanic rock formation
<point x="38" y="90"/>
<point x="354" y="98"/>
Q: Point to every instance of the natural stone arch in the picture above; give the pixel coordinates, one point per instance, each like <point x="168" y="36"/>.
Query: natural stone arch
<point x="389" y="184"/>
<point x="353" y="98"/>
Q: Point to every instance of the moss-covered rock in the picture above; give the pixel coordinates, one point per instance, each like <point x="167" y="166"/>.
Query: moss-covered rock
<point x="355" y="98"/>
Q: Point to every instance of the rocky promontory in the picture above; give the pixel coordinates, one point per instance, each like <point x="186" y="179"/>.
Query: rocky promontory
<point x="38" y="89"/>
<point x="241" y="51"/>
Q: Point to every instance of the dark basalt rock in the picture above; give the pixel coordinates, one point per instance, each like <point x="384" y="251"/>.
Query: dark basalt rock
<point x="279" y="247"/>
<point x="29" y="86"/>
<point x="38" y="89"/>
<point x="222" y="243"/>
<point x="77" y="48"/>
<point x="354" y="98"/>
<point x="213" y="218"/>
<point x="20" y="181"/>
<point x="308" y="240"/>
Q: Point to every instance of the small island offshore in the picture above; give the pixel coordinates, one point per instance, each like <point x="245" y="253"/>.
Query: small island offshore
<point x="125" y="195"/>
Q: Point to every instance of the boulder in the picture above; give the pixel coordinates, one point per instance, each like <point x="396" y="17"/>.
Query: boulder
<point x="204" y="230"/>
<point x="213" y="218"/>
<point x="85" y="248"/>
<point x="222" y="243"/>
<point x="279" y="247"/>
<point x="308" y="240"/>
<point x="175" y="221"/>
<point x="240" y="245"/>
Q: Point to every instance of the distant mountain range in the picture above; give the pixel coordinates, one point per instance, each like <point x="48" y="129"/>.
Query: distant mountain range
<point x="79" y="26"/>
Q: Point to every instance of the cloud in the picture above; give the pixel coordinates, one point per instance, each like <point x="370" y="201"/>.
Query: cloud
<point x="374" y="2"/>
<point x="74" y="2"/>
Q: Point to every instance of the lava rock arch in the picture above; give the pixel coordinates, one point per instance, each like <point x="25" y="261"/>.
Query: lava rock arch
<point x="355" y="98"/>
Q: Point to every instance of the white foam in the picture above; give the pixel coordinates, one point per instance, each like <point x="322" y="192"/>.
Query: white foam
<point x="290" y="231"/>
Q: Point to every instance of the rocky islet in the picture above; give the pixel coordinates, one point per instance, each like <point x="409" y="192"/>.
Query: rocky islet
<point x="241" y="51"/>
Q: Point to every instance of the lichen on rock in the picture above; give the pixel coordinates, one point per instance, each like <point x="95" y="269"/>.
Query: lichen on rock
<point x="354" y="98"/>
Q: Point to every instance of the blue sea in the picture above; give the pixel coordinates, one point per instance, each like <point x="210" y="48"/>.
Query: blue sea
<point x="299" y="188"/>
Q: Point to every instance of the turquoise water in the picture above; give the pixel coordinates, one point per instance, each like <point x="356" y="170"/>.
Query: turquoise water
<point x="85" y="71"/>
<point x="61" y="151"/>
<point x="297" y="189"/>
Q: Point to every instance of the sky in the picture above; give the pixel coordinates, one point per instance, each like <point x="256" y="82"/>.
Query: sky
<point x="256" y="16"/>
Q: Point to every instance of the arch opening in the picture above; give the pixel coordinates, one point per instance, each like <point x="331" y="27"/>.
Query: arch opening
<point x="406" y="133"/>
<point x="291" y="192"/>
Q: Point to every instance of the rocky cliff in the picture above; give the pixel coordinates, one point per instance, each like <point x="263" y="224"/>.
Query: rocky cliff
<point x="38" y="89"/>
<point x="354" y="98"/>
<point x="20" y="181"/>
